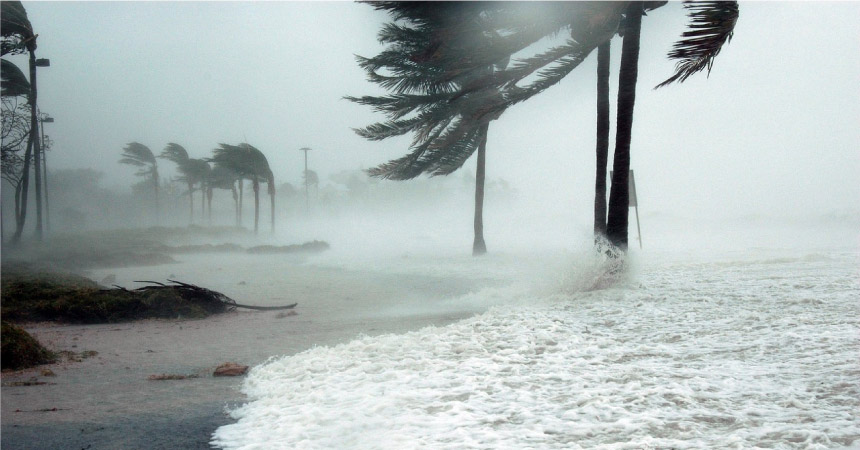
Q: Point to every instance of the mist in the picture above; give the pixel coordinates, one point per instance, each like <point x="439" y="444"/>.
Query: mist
<point x="727" y="319"/>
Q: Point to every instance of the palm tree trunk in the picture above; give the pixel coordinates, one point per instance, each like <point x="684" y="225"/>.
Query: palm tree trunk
<point x="202" y="202"/>
<point x="21" y="219"/>
<point x="619" y="196"/>
<point x="209" y="200"/>
<point x="479" y="247"/>
<point x="241" y="196"/>
<point x="272" y="200"/>
<point x="191" y="203"/>
<point x="235" y="202"/>
<point x="155" y="181"/>
<point x="602" y="147"/>
<point x="256" y="186"/>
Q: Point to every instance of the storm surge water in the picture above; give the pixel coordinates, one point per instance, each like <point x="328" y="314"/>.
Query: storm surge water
<point x="752" y="349"/>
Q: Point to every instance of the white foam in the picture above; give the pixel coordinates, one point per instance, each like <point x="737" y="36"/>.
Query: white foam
<point x="760" y="353"/>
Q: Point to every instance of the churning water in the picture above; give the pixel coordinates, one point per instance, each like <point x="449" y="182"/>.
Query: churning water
<point x="753" y="349"/>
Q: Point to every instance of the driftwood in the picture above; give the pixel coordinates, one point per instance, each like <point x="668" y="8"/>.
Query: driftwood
<point x="190" y="291"/>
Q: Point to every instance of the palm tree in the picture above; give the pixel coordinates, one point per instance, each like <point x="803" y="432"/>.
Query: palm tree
<point x="602" y="141"/>
<point x="436" y="59"/>
<point x="249" y="163"/>
<point x="178" y="155"/>
<point x="222" y="178"/>
<point x="18" y="37"/>
<point x="139" y="155"/>
<point x="446" y="132"/>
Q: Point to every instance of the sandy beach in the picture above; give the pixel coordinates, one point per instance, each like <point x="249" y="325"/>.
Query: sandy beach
<point x="107" y="402"/>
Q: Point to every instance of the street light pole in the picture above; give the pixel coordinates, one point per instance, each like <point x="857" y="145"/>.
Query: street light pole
<point x="307" y="197"/>
<point x="46" y="119"/>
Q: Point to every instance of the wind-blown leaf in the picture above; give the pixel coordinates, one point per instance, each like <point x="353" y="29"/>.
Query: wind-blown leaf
<point x="711" y="25"/>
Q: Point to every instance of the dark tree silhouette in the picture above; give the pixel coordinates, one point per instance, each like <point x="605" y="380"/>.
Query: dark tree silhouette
<point x="249" y="163"/>
<point x="139" y="155"/>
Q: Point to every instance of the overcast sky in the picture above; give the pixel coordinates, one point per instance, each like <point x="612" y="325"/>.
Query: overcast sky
<point x="773" y="130"/>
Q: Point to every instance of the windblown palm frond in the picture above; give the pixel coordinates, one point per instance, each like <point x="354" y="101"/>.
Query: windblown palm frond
<point x="13" y="80"/>
<point x="15" y="28"/>
<point x="139" y="155"/>
<point x="175" y="153"/>
<point x="711" y="25"/>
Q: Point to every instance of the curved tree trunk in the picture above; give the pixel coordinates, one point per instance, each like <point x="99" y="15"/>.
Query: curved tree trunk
<point x="619" y="197"/>
<point x="602" y="147"/>
<point x="479" y="247"/>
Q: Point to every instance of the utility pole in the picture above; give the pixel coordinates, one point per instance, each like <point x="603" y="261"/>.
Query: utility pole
<point x="307" y="197"/>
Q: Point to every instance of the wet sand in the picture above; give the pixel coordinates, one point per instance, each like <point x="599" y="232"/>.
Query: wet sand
<point x="107" y="402"/>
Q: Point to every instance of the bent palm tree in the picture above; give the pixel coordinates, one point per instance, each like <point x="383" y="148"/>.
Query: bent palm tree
<point x="18" y="37"/>
<point x="179" y="156"/>
<point x="447" y="131"/>
<point x="139" y="155"/>
<point x="249" y="163"/>
<point x="222" y="178"/>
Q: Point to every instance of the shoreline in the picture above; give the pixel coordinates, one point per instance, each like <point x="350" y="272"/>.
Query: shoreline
<point x="107" y="402"/>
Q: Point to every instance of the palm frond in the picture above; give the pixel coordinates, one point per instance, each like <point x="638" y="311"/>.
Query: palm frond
<point x="175" y="153"/>
<point x="14" y="83"/>
<point x="711" y="25"/>
<point x="15" y="28"/>
<point x="137" y="154"/>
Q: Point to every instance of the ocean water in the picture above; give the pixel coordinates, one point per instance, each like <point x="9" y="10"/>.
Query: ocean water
<point x="742" y="348"/>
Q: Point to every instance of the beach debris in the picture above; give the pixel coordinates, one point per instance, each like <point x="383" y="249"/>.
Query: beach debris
<point x="199" y="294"/>
<point x="48" y="373"/>
<point x="172" y="376"/>
<point x="33" y="381"/>
<point x="281" y="315"/>
<point x="230" y="369"/>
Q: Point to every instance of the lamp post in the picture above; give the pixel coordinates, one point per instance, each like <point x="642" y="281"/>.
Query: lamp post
<point x="37" y="147"/>
<point x="46" y="119"/>
<point x="307" y="201"/>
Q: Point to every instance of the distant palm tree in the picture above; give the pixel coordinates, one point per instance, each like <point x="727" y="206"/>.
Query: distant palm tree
<point x="222" y="178"/>
<point x="249" y="163"/>
<point x="198" y="170"/>
<point x="139" y="155"/>
<point x="179" y="156"/>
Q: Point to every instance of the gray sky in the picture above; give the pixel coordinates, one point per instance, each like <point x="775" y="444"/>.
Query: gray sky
<point x="773" y="130"/>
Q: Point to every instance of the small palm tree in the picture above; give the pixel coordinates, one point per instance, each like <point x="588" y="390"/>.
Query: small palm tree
<point x="139" y="155"/>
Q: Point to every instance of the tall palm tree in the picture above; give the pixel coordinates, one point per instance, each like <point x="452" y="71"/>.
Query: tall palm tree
<point x="602" y="141"/>
<point x="18" y="37"/>
<point x="139" y="155"/>
<point x="446" y="131"/>
<point x="438" y="58"/>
